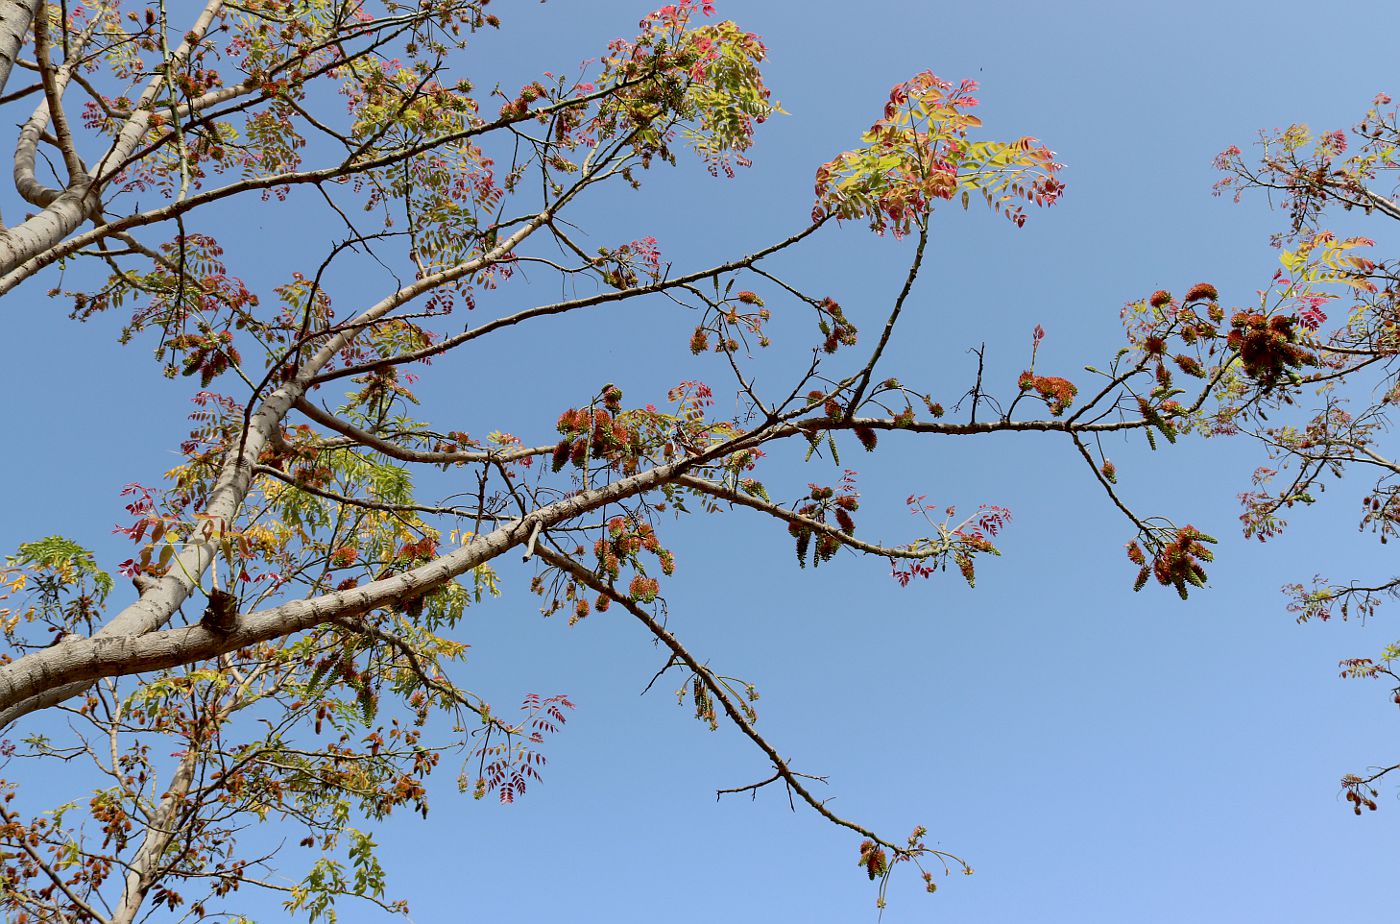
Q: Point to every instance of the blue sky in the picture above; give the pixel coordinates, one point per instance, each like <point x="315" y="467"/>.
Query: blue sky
<point x="1097" y="755"/>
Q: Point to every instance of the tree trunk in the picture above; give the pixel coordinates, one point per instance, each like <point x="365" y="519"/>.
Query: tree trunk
<point x="145" y="870"/>
<point x="15" y="17"/>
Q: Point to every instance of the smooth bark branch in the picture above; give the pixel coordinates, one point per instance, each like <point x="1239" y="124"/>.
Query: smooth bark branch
<point x="15" y="18"/>
<point x="129" y="644"/>
<point x="54" y="81"/>
<point x="47" y="677"/>
<point x="45" y="245"/>
<point x="145" y="868"/>
<point x="43" y="678"/>
<point x="108" y="654"/>
<point x="45" y="231"/>
<point x="162" y="599"/>
<point x="404" y="454"/>
<point x="164" y="596"/>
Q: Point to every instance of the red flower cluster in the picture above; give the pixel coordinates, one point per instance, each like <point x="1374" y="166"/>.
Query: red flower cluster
<point x="623" y="544"/>
<point x="643" y="589"/>
<point x="1202" y="292"/>
<point x="1058" y="393"/>
<point x="598" y="434"/>
<point x="838" y="331"/>
<point x="1267" y="346"/>
<point x="1175" y="564"/>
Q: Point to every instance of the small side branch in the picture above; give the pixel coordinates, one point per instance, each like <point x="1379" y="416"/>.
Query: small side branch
<point x="753" y="788"/>
<point x="404" y="454"/>
<point x="863" y="379"/>
<point x="788" y="516"/>
<point x="791" y="778"/>
<point x="49" y="871"/>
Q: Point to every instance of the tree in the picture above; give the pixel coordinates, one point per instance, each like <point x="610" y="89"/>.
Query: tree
<point x="1337" y="418"/>
<point x="297" y="619"/>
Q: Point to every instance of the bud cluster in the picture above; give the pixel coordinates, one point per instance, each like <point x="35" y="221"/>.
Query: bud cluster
<point x="823" y="502"/>
<point x="599" y="433"/>
<point x="622" y="544"/>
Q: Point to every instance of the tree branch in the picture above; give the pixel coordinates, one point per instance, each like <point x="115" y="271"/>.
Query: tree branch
<point x="717" y="690"/>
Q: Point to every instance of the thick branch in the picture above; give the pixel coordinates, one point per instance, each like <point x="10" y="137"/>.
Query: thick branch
<point x="15" y="17"/>
<point x="69" y="667"/>
<point x="144" y="870"/>
<point x="40" y="234"/>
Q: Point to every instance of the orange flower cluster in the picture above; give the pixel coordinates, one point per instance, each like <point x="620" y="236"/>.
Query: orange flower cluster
<point x="643" y="589"/>
<point x="519" y="107"/>
<point x="1189" y="365"/>
<point x="699" y="341"/>
<point x="1176" y="563"/>
<point x="1268" y="347"/>
<point x="1202" y="292"/>
<point x="623" y="544"/>
<point x="1058" y="393"/>
<point x="872" y="857"/>
<point x="838" y="331"/>
<point x="598" y="434"/>
<point x="824" y="500"/>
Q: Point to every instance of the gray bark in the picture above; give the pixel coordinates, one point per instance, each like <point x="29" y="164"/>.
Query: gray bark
<point x="79" y="662"/>
<point x="145" y="868"/>
<point x="118" y="649"/>
<point x="15" y="19"/>
<point x="73" y="206"/>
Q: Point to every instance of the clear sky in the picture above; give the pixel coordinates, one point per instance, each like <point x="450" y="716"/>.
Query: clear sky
<point x="1096" y="755"/>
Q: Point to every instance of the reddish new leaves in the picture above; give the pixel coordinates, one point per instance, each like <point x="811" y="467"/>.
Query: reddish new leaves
<point x="919" y="152"/>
